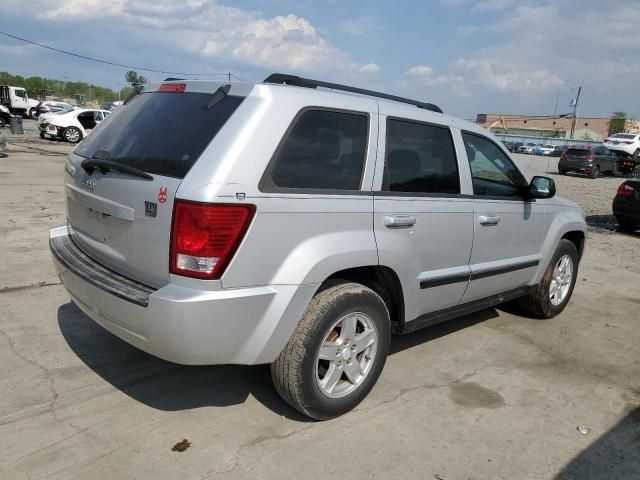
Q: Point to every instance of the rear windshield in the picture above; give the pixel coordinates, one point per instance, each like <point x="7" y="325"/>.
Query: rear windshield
<point x="624" y="135"/>
<point x="578" y="151"/>
<point x="159" y="132"/>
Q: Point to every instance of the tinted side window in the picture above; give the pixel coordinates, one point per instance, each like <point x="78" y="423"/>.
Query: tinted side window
<point x="325" y="150"/>
<point x="494" y="174"/>
<point x="419" y="158"/>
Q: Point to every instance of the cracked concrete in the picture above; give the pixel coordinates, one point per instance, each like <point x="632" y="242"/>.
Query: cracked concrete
<point x="493" y="395"/>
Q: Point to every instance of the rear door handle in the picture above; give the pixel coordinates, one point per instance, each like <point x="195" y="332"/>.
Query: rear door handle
<point x="489" y="219"/>
<point x="399" y="221"/>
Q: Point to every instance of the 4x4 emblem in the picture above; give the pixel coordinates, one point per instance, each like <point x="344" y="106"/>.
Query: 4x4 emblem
<point x="88" y="183"/>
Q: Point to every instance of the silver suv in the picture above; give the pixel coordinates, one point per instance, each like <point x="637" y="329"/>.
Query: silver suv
<point x="301" y="223"/>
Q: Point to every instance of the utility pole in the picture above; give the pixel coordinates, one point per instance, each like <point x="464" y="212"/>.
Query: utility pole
<point x="575" y="113"/>
<point x="229" y="76"/>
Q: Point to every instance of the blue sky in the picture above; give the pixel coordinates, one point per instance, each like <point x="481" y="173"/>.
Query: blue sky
<point x="467" y="56"/>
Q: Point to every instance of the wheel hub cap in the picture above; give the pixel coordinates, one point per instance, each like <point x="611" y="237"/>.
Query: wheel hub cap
<point x="561" y="280"/>
<point x="346" y="356"/>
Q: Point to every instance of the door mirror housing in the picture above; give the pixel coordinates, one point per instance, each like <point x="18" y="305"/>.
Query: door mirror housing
<point x="541" y="187"/>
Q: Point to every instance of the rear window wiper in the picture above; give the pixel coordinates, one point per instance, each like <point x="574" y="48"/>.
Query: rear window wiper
<point x="218" y="95"/>
<point x="90" y="164"/>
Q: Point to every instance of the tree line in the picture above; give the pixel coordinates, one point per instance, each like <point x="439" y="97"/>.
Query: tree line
<point x="67" y="89"/>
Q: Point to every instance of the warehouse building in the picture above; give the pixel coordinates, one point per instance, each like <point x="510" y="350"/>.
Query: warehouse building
<point x="587" y="128"/>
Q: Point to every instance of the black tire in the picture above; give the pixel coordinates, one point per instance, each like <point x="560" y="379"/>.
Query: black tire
<point x="41" y="135"/>
<point x="2" y="123"/>
<point x="562" y="172"/>
<point x="626" y="224"/>
<point x="595" y="173"/>
<point x="32" y="114"/>
<point x="294" y="371"/>
<point x="69" y="133"/>
<point x="538" y="303"/>
<point x="636" y="170"/>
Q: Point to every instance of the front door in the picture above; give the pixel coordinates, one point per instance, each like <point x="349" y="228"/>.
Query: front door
<point x="509" y="230"/>
<point x="423" y="225"/>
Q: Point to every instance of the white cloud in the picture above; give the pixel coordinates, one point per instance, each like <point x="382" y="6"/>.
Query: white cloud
<point x="357" y="26"/>
<point x="369" y="68"/>
<point x="208" y="29"/>
<point x="419" y="70"/>
<point x="483" y="72"/>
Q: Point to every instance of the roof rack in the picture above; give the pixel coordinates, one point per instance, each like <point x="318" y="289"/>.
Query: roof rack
<point x="282" y="78"/>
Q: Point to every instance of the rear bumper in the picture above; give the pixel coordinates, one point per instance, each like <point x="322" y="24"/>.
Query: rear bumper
<point x="179" y="324"/>
<point x="576" y="166"/>
<point x="621" y="149"/>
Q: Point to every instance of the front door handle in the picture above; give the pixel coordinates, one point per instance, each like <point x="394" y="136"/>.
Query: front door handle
<point x="489" y="219"/>
<point x="399" y="221"/>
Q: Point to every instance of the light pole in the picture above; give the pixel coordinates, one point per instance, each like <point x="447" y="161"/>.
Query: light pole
<point x="575" y="113"/>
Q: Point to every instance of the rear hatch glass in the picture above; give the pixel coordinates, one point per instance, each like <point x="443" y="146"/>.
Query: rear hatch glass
<point x="159" y="132"/>
<point x="123" y="220"/>
<point x="578" y="152"/>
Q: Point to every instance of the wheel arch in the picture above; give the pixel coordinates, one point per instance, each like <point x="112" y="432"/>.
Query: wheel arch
<point x="382" y="280"/>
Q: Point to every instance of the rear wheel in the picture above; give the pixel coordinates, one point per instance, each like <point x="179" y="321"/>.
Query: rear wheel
<point x="32" y="114"/>
<point x="72" y="134"/>
<point x="562" y="172"/>
<point x="2" y="123"/>
<point x="595" y="173"/>
<point x="336" y="354"/>
<point x="553" y="292"/>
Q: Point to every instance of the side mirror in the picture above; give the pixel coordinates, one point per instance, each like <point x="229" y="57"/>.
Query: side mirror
<point x="542" y="187"/>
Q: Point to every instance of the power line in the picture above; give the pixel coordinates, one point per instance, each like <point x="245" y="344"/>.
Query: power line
<point x="84" y="57"/>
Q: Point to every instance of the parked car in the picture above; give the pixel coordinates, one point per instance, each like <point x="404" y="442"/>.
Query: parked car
<point x="527" y="148"/>
<point x="71" y="126"/>
<point x="111" y="106"/>
<point x="542" y="150"/>
<point x="508" y="145"/>
<point x="174" y="240"/>
<point x="624" y="144"/>
<point x="588" y="160"/>
<point x="52" y="107"/>
<point x="5" y="116"/>
<point x="626" y="205"/>
<point x="557" y="150"/>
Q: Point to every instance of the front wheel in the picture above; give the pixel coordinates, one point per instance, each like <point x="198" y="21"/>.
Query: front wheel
<point x="32" y="114"/>
<point x="595" y="173"/>
<point x="72" y="135"/>
<point x="336" y="353"/>
<point x="552" y="294"/>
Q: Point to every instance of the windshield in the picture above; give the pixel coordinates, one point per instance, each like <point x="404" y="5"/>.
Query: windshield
<point x="159" y="132"/>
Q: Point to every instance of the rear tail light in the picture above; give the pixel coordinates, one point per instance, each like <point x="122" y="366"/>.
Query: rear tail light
<point x="590" y="159"/>
<point x="625" y="190"/>
<point x="563" y="156"/>
<point x="628" y="142"/>
<point x="205" y="236"/>
<point x="172" y="87"/>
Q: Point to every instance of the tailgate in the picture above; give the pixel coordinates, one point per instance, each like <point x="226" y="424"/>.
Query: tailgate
<point x="122" y="222"/>
<point x="120" y="203"/>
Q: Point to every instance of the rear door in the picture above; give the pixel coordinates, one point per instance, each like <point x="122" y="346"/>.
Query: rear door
<point x="124" y="221"/>
<point x="423" y="224"/>
<point x="508" y="229"/>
